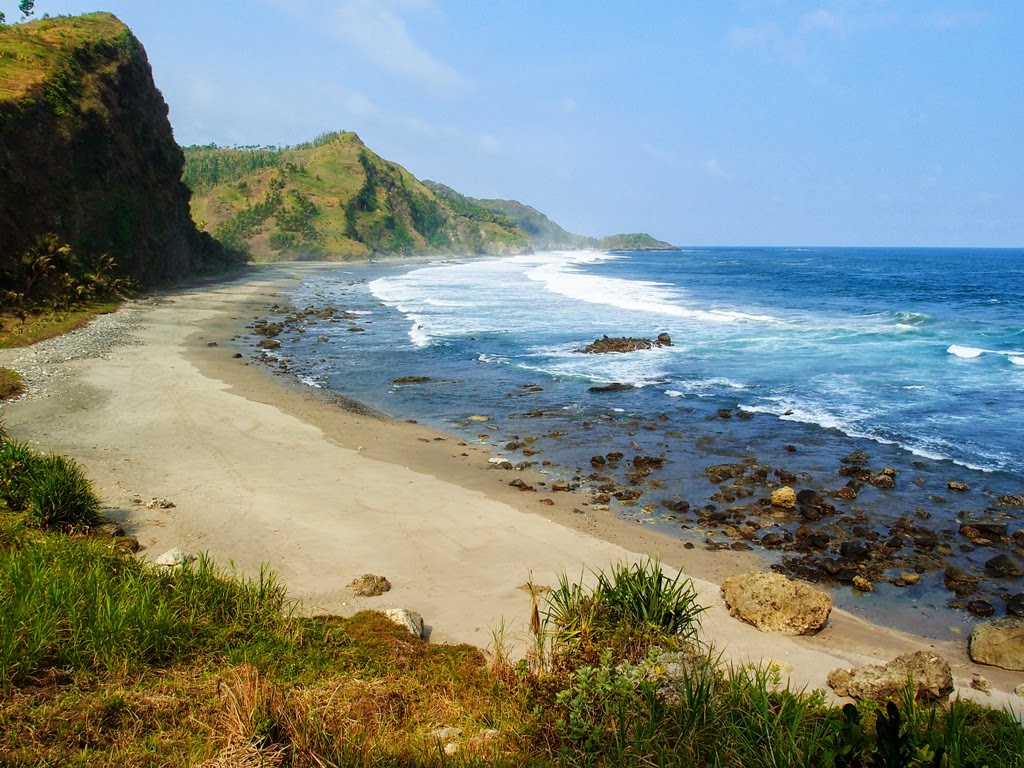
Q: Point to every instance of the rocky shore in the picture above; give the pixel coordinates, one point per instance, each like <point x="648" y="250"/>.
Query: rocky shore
<point x="261" y="471"/>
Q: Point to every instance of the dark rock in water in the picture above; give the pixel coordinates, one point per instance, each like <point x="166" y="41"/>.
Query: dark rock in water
<point x="411" y="380"/>
<point x="608" y="344"/>
<point x="270" y="344"/>
<point x="772" y="540"/>
<point x="789" y="448"/>
<point x="1011" y="501"/>
<point x="809" y="497"/>
<point x="853" y="549"/>
<point x="857" y="457"/>
<point x="719" y="473"/>
<point x="1003" y="565"/>
<point x="846" y="493"/>
<point x="938" y="499"/>
<point x="953" y="485"/>
<point x="597" y="461"/>
<point x="614" y="456"/>
<point x="959" y="581"/>
<point x="1015" y="605"/>
<point x="676" y="506"/>
<point x="613" y="387"/>
<point x="818" y="540"/>
<point x="882" y="481"/>
<point x="980" y="607"/>
<point x="988" y="528"/>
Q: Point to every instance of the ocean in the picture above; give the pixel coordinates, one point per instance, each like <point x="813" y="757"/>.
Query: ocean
<point x="790" y="360"/>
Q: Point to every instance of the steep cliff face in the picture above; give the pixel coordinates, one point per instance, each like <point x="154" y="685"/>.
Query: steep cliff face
<point x="87" y="152"/>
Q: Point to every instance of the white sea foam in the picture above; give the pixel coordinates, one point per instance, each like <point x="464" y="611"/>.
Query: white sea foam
<point x="1016" y="360"/>
<point x="562" y="276"/>
<point x="965" y="353"/>
<point x="309" y="381"/>
<point x="673" y="393"/>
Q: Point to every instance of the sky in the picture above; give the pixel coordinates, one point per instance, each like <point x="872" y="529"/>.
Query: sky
<point x="712" y="122"/>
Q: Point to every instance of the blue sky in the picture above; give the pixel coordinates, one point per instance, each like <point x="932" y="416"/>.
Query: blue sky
<point x="756" y="122"/>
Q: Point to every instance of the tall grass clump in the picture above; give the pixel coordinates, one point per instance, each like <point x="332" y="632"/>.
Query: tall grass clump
<point x="72" y="603"/>
<point x="628" y="611"/>
<point x="16" y="462"/>
<point x="59" y="494"/>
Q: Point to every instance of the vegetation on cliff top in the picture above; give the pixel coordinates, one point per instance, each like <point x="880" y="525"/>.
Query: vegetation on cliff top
<point x="87" y="155"/>
<point x="333" y="198"/>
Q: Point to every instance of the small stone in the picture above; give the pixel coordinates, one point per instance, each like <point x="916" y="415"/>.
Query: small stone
<point x="908" y="578"/>
<point x="931" y="674"/>
<point x="784" y="497"/>
<point x="446" y="734"/>
<point x="953" y="485"/>
<point x="160" y="504"/>
<point x="174" y="558"/>
<point x="237" y="356"/>
<point x="979" y="683"/>
<point x="451" y="748"/>
<point x="369" y="585"/>
<point x="1019" y="690"/>
<point x="998" y="643"/>
<point x="862" y="584"/>
<point x="479" y="418"/>
<point x="212" y="344"/>
<point x="981" y="607"/>
<point x="270" y="344"/>
<point x="560" y="486"/>
<point x="411" y="620"/>
<point x="1015" y="605"/>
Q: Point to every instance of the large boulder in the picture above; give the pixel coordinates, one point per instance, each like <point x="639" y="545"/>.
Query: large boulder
<point x="999" y="643"/>
<point x="929" y="674"/>
<point x="774" y="603"/>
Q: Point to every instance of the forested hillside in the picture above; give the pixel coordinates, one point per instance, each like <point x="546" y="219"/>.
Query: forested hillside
<point x="333" y="198"/>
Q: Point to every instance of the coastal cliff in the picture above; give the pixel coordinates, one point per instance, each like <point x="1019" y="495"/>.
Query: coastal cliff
<point x="87" y="153"/>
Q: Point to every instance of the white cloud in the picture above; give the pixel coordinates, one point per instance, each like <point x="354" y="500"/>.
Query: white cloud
<point x="382" y="37"/>
<point x="489" y="145"/>
<point x="712" y="168"/>
<point x="821" y="19"/>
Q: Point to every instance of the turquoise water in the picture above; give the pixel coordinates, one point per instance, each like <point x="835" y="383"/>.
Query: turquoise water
<point x="915" y="357"/>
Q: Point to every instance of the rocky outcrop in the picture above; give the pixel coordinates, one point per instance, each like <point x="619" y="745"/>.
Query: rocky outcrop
<point x="87" y="153"/>
<point x="774" y="603"/>
<point x="930" y="676"/>
<point x="607" y="344"/>
<point x="999" y="643"/>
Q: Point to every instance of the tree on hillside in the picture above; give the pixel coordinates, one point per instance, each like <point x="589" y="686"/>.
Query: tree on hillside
<point x="27" y="7"/>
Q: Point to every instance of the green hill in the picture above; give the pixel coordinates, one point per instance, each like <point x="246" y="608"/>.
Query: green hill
<point x="334" y="198"/>
<point x="636" y="241"/>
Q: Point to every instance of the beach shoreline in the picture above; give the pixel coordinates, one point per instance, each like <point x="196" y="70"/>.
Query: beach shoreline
<point x="261" y="470"/>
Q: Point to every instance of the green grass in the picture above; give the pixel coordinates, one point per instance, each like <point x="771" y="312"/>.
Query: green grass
<point x="106" y="660"/>
<point x="35" y="327"/>
<point x="11" y="384"/>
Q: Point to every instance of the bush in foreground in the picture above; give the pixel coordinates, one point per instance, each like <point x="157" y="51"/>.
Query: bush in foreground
<point x="60" y="495"/>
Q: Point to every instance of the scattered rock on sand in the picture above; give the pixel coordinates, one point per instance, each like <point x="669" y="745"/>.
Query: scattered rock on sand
<point x="774" y="603"/>
<point x="999" y="643"/>
<point x="173" y="558"/>
<point x="931" y="676"/>
<point x="1019" y="690"/>
<point x="160" y="504"/>
<point x="411" y="620"/>
<point x="369" y="585"/>
<point x="784" y="497"/>
<point x="980" y="683"/>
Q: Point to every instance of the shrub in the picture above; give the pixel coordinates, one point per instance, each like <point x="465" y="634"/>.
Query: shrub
<point x="60" y="495"/>
<point x="16" y="462"/>
<point x="630" y="610"/>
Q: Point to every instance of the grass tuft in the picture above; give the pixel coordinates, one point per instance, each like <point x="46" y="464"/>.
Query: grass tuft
<point x="60" y="495"/>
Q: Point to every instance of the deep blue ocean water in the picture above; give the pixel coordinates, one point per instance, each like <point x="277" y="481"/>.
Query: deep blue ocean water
<point x="914" y="356"/>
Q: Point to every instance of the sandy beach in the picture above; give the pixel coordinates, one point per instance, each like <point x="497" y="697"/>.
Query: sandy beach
<point x="261" y="470"/>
